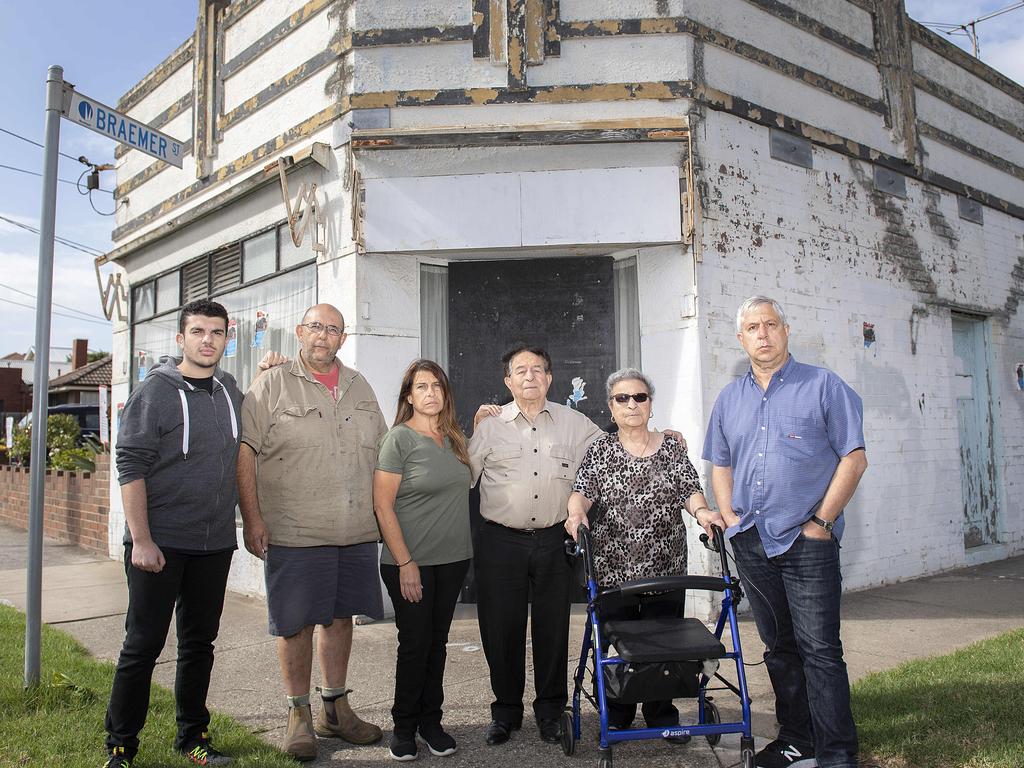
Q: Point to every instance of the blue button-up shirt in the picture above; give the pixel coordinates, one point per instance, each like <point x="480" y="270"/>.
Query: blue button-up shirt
<point x="783" y="445"/>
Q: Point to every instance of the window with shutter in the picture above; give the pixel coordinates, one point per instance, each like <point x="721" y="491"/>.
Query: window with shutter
<point x="227" y="269"/>
<point x="195" y="280"/>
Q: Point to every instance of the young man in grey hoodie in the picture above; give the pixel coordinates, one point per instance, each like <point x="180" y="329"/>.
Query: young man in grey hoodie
<point x="177" y="447"/>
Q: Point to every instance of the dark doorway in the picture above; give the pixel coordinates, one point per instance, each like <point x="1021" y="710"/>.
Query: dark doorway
<point x="565" y="305"/>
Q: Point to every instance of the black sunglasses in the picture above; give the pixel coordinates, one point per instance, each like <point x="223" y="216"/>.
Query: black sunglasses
<point x="640" y="397"/>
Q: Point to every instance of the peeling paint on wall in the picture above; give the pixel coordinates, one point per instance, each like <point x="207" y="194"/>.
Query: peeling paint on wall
<point x="869" y="336"/>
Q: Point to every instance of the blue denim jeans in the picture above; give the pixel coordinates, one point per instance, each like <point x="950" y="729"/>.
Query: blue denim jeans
<point x="795" y="599"/>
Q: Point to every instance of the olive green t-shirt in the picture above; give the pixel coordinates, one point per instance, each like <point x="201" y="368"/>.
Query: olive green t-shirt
<point x="432" y="505"/>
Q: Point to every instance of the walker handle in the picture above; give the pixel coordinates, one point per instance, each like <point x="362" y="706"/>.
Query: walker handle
<point x="715" y="545"/>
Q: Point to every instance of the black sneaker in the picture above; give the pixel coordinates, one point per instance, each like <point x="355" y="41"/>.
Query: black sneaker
<point x="403" y="748"/>
<point x="438" y="741"/>
<point x="783" y="754"/>
<point x="118" y="759"/>
<point x="201" y="752"/>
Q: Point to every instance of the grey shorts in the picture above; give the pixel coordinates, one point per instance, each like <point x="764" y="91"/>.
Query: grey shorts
<point x="316" y="585"/>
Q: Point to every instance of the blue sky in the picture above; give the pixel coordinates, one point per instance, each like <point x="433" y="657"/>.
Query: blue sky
<point x="105" y="46"/>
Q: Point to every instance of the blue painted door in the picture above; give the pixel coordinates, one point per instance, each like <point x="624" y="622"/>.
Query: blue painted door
<point x="974" y="409"/>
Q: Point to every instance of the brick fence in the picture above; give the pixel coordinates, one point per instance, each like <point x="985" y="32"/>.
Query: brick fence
<point x="77" y="503"/>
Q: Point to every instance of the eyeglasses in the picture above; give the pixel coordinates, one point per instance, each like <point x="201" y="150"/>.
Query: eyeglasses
<point x="640" y="397"/>
<point x="315" y="327"/>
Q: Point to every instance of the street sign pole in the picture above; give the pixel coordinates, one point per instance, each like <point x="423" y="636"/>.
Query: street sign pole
<point x="41" y="379"/>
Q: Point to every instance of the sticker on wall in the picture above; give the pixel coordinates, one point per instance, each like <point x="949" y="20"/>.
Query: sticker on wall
<point x="869" y="335"/>
<point x="1019" y="370"/>
<point x="143" y="363"/>
<point x="262" y="318"/>
<point x="578" y="386"/>
<point x="231" y="349"/>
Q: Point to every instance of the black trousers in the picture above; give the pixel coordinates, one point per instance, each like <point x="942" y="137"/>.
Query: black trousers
<point x="192" y="587"/>
<point x="422" y="644"/>
<point x="513" y="567"/>
<point x="657" y="714"/>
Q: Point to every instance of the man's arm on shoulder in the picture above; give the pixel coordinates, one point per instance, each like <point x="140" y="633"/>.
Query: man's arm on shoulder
<point x="270" y="360"/>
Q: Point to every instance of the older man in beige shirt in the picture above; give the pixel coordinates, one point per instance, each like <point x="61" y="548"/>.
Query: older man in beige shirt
<point x="526" y="457"/>
<point x="310" y="427"/>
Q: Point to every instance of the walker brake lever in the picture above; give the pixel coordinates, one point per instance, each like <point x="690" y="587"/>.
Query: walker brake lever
<point x="708" y="543"/>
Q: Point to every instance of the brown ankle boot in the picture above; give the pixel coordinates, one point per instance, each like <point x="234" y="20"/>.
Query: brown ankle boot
<point x="299" y="741"/>
<point x="337" y="719"/>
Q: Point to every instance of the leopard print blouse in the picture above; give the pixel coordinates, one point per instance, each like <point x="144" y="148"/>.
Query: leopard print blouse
<point x="638" y="531"/>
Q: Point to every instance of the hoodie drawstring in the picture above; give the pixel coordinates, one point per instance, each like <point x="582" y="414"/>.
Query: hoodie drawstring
<point x="184" y="429"/>
<point x="184" y="416"/>
<point x="231" y="409"/>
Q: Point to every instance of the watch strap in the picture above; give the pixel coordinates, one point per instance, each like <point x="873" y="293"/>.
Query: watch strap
<point x="828" y="525"/>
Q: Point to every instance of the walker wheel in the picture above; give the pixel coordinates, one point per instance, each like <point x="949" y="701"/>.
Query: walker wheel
<point x="711" y="717"/>
<point x="568" y="732"/>
<point x="605" y="760"/>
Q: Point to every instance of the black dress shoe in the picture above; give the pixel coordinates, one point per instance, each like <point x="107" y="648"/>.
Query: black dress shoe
<point x="550" y="731"/>
<point x="499" y="731"/>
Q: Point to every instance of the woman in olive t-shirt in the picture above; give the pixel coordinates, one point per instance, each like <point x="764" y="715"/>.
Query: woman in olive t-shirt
<point x="421" y="499"/>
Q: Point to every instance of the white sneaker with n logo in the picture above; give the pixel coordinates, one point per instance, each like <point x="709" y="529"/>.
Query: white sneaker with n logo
<point x="783" y="754"/>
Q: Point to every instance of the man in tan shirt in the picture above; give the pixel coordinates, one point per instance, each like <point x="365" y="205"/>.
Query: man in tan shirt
<point x="526" y="457"/>
<point x="305" y="471"/>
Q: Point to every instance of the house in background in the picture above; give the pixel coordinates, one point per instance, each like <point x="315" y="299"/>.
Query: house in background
<point x="610" y="179"/>
<point x="81" y="385"/>
<point x="25" y="363"/>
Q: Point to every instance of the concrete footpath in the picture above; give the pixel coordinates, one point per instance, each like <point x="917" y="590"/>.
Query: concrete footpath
<point x="85" y="596"/>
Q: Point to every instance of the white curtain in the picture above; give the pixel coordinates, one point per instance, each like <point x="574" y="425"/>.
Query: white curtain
<point x="283" y="299"/>
<point x="434" y="313"/>
<point x="627" y="314"/>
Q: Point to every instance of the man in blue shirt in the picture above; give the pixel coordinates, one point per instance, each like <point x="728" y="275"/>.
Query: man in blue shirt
<point x="786" y="442"/>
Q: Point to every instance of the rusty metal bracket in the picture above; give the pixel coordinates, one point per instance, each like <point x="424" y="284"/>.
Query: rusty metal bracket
<point x="113" y="297"/>
<point x="358" y="210"/>
<point x="299" y="218"/>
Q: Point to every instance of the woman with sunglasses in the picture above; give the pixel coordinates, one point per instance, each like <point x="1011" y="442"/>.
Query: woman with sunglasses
<point x="421" y="498"/>
<point x="640" y="479"/>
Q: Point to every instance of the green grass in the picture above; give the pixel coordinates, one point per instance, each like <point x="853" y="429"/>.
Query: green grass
<point x="964" y="710"/>
<point x="60" y="723"/>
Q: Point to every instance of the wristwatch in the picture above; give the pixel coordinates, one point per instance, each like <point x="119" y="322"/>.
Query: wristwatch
<point x="828" y="525"/>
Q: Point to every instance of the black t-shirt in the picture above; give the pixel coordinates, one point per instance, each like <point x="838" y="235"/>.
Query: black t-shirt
<point x="204" y="384"/>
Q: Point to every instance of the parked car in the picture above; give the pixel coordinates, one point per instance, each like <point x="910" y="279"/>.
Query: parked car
<point x="86" y="414"/>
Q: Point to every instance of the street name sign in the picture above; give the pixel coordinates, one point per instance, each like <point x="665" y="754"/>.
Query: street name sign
<point x="114" y="125"/>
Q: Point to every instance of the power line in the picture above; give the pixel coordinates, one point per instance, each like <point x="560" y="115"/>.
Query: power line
<point x="64" y="241"/>
<point x="969" y="28"/>
<point x="31" y="141"/>
<point x="55" y="312"/>
<point x="62" y="306"/>
<point x="63" y="181"/>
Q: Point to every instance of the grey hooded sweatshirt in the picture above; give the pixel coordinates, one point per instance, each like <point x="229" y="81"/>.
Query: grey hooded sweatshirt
<point x="183" y="442"/>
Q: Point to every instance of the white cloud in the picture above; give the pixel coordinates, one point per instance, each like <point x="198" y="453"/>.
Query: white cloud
<point x="1007" y="55"/>
<point x="74" y="286"/>
<point x="1001" y="39"/>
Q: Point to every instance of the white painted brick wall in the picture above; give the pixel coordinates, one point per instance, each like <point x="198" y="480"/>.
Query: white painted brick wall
<point x="814" y="240"/>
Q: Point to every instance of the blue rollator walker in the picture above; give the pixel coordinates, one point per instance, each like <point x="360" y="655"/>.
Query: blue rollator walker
<point x="659" y="658"/>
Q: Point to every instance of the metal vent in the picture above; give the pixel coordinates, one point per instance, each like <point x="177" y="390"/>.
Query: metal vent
<point x="227" y="269"/>
<point x="195" y="280"/>
<point x="970" y="210"/>
<point x="790" y="149"/>
<point x="890" y="181"/>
